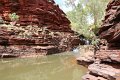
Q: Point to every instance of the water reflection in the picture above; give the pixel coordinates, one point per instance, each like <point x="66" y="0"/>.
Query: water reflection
<point x="53" y="67"/>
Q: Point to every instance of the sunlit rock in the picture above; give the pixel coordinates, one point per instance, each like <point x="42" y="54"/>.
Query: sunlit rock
<point x="41" y="23"/>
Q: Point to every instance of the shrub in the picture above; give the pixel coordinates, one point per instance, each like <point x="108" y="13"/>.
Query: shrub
<point x="14" y="17"/>
<point x="1" y="20"/>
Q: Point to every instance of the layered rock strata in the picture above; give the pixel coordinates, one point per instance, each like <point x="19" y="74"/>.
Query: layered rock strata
<point x="42" y="29"/>
<point x="107" y="58"/>
<point x="44" y="13"/>
<point x="109" y="31"/>
<point x="102" y="72"/>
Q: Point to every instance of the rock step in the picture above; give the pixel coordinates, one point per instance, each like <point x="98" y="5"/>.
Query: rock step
<point x="106" y="71"/>
<point x="109" y="51"/>
<point x="108" y="55"/>
<point x="92" y="77"/>
<point x="7" y="55"/>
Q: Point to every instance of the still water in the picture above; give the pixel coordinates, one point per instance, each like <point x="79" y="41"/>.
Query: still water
<point x="53" y="67"/>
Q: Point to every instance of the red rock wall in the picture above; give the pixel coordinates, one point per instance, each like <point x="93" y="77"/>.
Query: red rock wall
<point x="49" y="19"/>
<point x="40" y="12"/>
<point x="107" y="58"/>
<point x="110" y="32"/>
<point x="110" y="28"/>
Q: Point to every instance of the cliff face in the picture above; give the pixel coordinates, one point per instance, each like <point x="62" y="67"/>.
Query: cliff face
<point x="110" y="28"/>
<point x="40" y="12"/>
<point x="41" y="29"/>
<point x="110" y="31"/>
<point x="107" y="58"/>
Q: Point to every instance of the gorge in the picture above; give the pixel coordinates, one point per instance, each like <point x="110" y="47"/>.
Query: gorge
<point x="42" y="29"/>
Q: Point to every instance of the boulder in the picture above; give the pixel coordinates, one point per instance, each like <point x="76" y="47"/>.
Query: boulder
<point x="105" y="71"/>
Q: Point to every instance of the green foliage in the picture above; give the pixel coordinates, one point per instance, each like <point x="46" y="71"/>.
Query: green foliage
<point x="86" y="16"/>
<point x="95" y="41"/>
<point x="1" y="20"/>
<point x="70" y="3"/>
<point x="13" y="17"/>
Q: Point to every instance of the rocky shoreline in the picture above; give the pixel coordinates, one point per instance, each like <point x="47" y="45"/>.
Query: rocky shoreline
<point x="101" y="66"/>
<point x="106" y="65"/>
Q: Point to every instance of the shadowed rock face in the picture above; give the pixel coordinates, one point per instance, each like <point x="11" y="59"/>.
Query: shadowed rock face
<point x="110" y="31"/>
<point x="44" y="28"/>
<point x="110" y="28"/>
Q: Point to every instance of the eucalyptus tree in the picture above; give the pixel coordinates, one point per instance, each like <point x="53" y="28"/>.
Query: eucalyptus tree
<point x="86" y="15"/>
